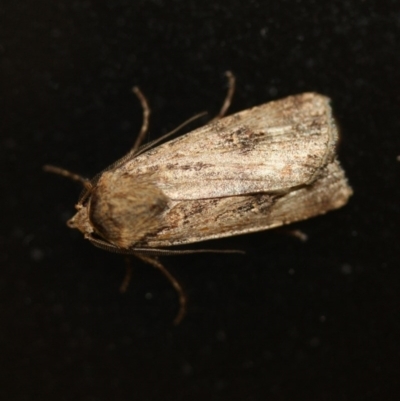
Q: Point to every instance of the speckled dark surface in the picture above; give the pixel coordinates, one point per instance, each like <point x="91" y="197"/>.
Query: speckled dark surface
<point x="287" y="321"/>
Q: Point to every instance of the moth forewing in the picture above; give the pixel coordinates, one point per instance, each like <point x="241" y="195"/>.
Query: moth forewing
<point x="273" y="147"/>
<point x="196" y="220"/>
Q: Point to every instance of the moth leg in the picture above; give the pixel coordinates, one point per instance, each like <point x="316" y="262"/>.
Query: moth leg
<point x="178" y="288"/>
<point x="229" y="95"/>
<point x="128" y="276"/>
<point x="65" y="173"/>
<point x="146" y="117"/>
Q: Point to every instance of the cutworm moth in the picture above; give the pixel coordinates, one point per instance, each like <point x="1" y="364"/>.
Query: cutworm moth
<point x="254" y="170"/>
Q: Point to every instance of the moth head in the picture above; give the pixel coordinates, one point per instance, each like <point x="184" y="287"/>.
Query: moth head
<point x="121" y="209"/>
<point x="81" y="221"/>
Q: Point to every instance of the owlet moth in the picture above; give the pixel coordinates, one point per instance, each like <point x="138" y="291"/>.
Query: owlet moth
<point x="254" y="170"/>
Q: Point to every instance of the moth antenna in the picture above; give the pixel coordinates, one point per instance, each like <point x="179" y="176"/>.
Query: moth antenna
<point x="65" y="173"/>
<point x="146" y="117"/>
<point x="168" y="134"/>
<point x="229" y="95"/>
<point x="154" y="251"/>
<point x="174" y="282"/>
<point x="146" y="114"/>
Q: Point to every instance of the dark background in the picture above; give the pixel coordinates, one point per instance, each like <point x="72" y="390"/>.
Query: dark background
<point x="318" y="320"/>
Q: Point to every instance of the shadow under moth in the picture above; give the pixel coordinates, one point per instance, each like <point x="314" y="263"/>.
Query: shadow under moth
<point x="258" y="169"/>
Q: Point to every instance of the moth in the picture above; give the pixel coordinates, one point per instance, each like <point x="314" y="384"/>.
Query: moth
<point x="254" y="170"/>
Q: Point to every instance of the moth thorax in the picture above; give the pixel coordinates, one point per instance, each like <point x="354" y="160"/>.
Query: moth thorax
<point x="124" y="209"/>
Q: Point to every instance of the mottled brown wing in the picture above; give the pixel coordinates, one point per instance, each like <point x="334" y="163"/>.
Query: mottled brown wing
<point x="270" y="148"/>
<point x="189" y="221"/>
